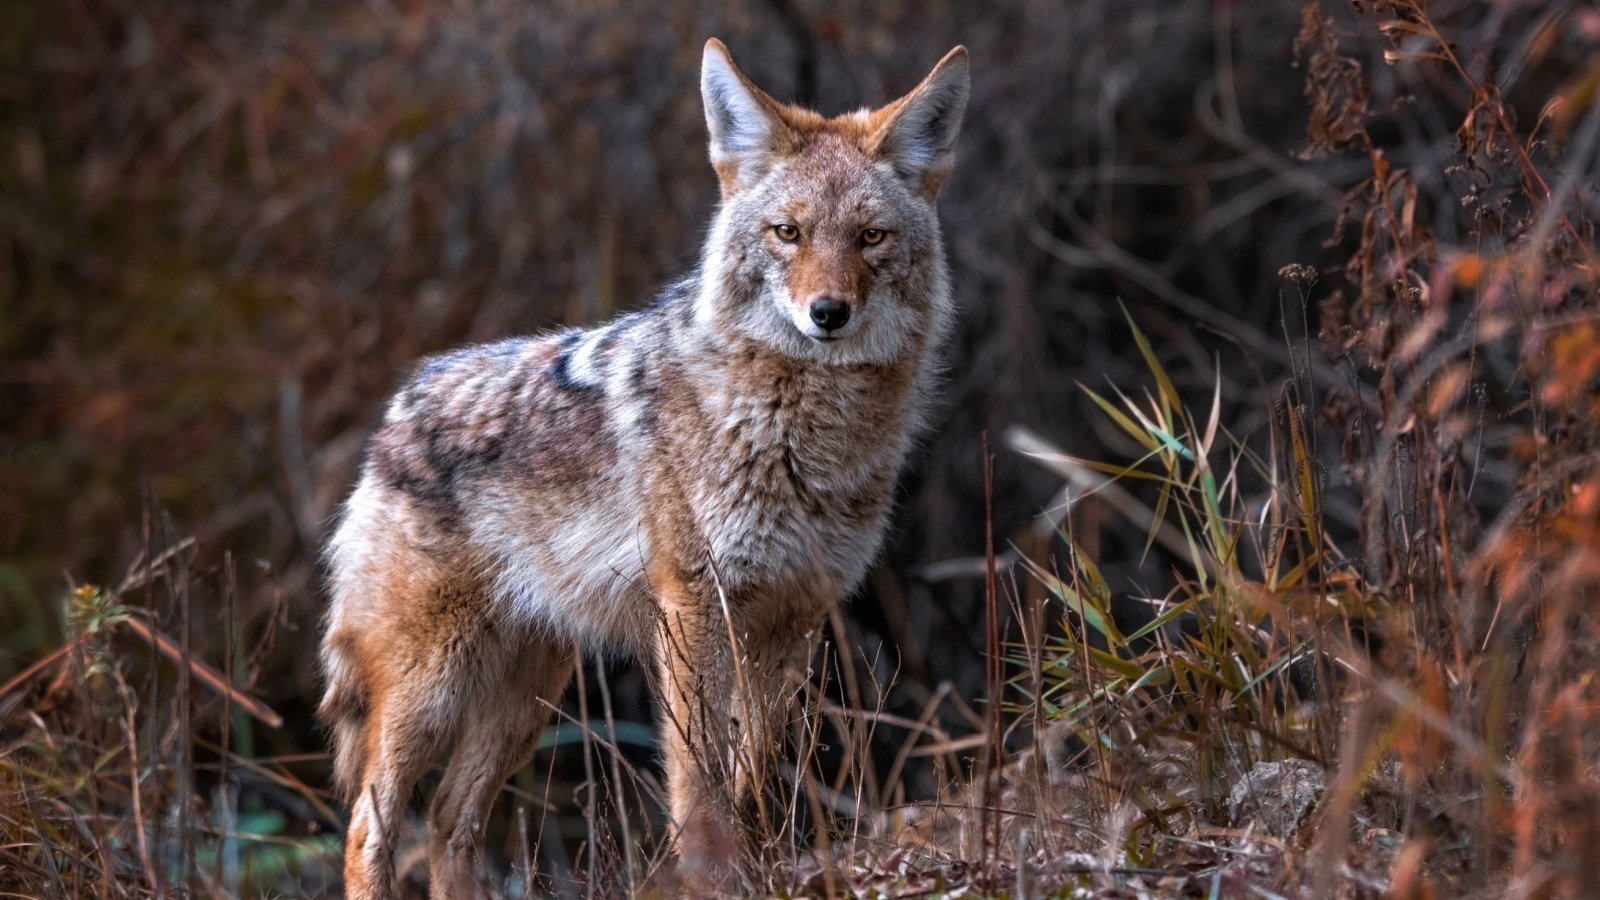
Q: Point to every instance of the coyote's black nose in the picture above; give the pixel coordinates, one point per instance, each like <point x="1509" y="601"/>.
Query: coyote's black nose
<point x="829" y="314"/>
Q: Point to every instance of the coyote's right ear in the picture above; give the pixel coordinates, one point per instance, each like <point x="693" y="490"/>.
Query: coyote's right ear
<point x="744" y="122"/>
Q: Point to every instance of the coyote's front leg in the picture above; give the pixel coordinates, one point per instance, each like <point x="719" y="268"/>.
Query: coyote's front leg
<point x="725" y="687"/>
<point x="727" y="683"/>
<point x="695" y="685"/>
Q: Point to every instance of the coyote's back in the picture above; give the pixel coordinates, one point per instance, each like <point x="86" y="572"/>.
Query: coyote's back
<point x="697" y="483"/>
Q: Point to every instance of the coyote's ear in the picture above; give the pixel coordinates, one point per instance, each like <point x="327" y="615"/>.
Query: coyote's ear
<point x="919" y="130"/>
<point x="742" y="119"/>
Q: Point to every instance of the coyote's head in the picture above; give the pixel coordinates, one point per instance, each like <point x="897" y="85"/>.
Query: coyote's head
<point x="826" y="244"/>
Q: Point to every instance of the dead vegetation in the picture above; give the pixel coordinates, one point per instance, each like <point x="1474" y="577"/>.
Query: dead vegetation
<point x="1291" y="584"/>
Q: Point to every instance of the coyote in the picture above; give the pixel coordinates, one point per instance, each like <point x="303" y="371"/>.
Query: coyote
<point x="698" y="483"/>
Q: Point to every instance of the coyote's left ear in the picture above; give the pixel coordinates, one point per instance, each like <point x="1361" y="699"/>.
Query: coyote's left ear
<point x="919" y="130"/>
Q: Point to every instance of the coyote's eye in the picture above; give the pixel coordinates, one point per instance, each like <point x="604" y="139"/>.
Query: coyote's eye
<point x="786" y="233"/>
<point x="872" y="236"/>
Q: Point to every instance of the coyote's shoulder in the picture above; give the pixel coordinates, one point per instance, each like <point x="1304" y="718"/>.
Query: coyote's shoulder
<point x="717" y="467"/>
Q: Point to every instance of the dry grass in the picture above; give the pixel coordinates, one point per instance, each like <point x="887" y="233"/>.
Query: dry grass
<point x="1309" y="610"/>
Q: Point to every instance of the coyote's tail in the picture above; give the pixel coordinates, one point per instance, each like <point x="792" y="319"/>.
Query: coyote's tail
<point x="344" y="710"/>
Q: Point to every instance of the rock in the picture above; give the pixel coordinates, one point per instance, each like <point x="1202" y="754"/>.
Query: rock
<point x="1276" y="796"/>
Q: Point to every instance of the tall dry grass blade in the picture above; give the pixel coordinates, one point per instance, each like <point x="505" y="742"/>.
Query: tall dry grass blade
<point x="992" y="672"/>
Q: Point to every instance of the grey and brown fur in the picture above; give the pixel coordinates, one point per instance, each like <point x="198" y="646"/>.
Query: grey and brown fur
<point x="697" y="483"/>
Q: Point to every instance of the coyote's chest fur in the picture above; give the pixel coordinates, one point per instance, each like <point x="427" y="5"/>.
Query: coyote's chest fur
<point x="790" y="464"/>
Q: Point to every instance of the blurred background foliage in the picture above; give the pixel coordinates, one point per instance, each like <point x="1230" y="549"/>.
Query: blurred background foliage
<point x="226" y="228"/>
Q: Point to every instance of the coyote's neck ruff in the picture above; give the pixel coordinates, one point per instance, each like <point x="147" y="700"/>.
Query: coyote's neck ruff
<point x="698" y="482"/>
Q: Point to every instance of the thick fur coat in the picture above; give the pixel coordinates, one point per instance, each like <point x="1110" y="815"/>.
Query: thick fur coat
<point x="698" y="483"/>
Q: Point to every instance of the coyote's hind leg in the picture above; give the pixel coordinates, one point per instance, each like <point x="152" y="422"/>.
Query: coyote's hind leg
<point x="413" y="634"/>
<point x="503" y="724"/>
<point x="402" y="740"/>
